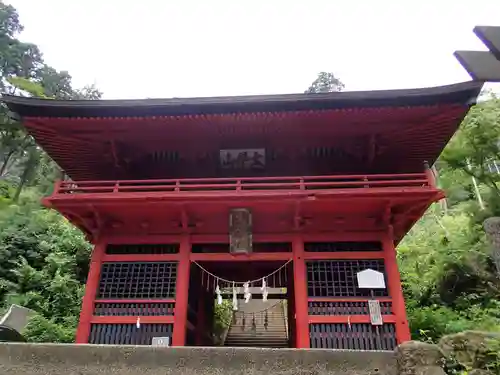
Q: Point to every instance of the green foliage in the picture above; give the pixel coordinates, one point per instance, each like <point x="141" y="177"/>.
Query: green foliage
<point x="472" y="351"/>
<point x="41" y="329"/>
<point x="28" y="86"/>
<point x="45" y="262"/>
<point x="223" y="315"/>
<point x="23" y="72"/>
<point x="477" y="145"/>
<point x="448" y="278"/>
<point x="325" y="82"/>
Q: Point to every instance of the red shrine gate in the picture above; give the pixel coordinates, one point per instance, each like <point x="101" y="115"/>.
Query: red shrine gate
<point x="154" y="182"/>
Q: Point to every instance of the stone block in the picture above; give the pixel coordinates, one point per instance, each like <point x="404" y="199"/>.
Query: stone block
<point x="419" y="358"/>
<point x="53" y="359"/>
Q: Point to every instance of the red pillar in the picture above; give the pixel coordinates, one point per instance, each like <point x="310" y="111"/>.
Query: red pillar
<point x="300" y="289"/>
<point x="395" y="289"/>
<point x="87" y="311"/>
<point x="181" y="293"/>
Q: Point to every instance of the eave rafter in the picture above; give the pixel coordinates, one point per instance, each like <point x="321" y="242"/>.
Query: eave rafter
<point x="372" y="149"/>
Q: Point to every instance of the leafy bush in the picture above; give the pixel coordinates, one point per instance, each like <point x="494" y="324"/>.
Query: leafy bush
<point x="44" y="266"/>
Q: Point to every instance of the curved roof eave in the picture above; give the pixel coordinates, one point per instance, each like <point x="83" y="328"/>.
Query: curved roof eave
<point x="460" y="93"/>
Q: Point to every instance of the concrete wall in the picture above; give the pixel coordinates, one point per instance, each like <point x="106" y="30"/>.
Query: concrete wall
<point x="52" y="359"/>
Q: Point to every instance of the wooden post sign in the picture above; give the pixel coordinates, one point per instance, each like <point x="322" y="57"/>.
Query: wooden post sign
<point x="375" y="313"/>
<point x="371" y="279"/>
<point x="240" y="231"/>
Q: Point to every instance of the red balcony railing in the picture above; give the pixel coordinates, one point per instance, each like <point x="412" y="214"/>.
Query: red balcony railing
<point x="180" y="186"/>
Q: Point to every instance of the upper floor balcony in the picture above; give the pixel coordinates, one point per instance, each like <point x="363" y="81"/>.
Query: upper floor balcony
<point x="249" y="187"/>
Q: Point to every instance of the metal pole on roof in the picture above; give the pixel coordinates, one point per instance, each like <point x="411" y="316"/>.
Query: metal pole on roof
<point x="443" y="203"/>
<point x="476" y="188"/>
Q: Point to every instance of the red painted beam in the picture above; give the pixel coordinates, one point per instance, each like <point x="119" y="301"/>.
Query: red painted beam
<point x="344" y="255"/>
<point x="134" y="301"/>
<point x="166" y="319"/>
<point x="141" y="257"/>
<point x="264" y="238"/>
<point x="225" y="257"/>
<point x="346" y="319"/>
<point x="332" y="299"/>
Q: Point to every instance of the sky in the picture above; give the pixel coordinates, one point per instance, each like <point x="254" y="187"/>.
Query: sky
<point x="189" y="48"/>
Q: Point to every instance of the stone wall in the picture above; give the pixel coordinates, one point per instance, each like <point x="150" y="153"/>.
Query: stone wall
<point x="471" y="349"/>
<point x="52" y="359"/>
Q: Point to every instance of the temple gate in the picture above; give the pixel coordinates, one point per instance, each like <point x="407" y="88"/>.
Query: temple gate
<point x="298" y="198"/>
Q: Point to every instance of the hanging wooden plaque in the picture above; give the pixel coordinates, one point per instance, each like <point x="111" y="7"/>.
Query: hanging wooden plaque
<point x="240" y="231"/>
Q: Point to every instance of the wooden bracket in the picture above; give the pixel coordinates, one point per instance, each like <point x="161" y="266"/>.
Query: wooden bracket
<point x="372" y="149"/>
<point x="184" y="220"/>
<point x="387" y="215"/>
<point x="297" y="220"/>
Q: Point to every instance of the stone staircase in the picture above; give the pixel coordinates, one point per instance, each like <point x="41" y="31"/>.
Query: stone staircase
<point x="248" y="328"/>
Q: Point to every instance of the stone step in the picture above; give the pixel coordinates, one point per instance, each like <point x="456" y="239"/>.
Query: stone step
<point x="258" y="326"/>
<point x="256" y="342"/>
<point x="252" y="337"/>
<point x="245" y="345"/>
<point x="254" y="333"/>
<point x="259" y="332"/>
<point x="242" y="335"/>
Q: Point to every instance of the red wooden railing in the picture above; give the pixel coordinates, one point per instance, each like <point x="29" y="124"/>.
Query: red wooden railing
<point x="245" y="184"/>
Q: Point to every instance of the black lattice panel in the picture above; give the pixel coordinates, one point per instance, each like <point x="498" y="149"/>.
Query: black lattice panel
<point x="143" y="249"/>
<point x="133" y="309"/>
<point x="128" y="334"/>
<point x="346" y="308"/>
<point x="137" y="280"/>
<point x="359" y="336"/>
<point x="326" y="247"/>
<point x="337" y="278"/>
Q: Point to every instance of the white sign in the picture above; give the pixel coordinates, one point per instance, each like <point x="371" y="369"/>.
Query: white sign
<point x="161" y="341"/>
<point x="254" y="158"/>
<point x="375" y="313"/>
<point x="371" y="279"/>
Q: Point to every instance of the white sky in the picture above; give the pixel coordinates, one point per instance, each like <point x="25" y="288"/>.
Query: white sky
<point x="182" y="48"/>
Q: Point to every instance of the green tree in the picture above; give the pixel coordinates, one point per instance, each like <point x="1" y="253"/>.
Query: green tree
<point x="325" y="82"/>
<point x="476" y="146"/>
